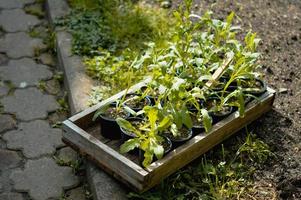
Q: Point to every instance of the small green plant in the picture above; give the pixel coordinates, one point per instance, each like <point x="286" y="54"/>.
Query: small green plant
<point x="147" y="137"/>
<point x="42" y="85"/>
<point x="35" y="9"/>
<point x="34" y="33"/>
<point x="63" y="104"/>
<point x="254" y="150"/>
<point x="59" y="76"/>
<point x="50" y="41"/>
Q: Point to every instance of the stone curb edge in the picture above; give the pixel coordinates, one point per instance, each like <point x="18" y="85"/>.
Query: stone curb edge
<point x="78" y="85"/>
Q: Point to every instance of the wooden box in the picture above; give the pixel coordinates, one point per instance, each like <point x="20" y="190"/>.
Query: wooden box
<point x="83" y="134"/>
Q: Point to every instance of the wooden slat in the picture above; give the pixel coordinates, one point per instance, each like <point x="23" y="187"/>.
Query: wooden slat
<point x="219" y="71"/>
<point x="105" y="155"/>
<point x="202" y="143"/>
<point x="104" y="168"/>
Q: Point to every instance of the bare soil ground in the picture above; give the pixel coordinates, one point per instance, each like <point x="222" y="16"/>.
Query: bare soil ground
<point x="278" y="24"/>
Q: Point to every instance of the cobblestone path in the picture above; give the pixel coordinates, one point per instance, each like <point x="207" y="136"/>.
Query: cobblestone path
<point x="34" y="163"/>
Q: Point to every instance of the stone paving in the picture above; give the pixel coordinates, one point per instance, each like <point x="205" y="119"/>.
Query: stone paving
<point x="34" y="163"/>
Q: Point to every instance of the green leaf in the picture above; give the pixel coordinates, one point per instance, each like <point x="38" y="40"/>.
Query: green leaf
<point x="174" y="130"/>
<point x="165" y="123"/>
<point x="241" y="102"/>
<point x="158" y="151"/>
<point x="152" y="114"/>
<point x="129" y="110"/>
<point x="129" y="145"/>
<point x="207" y="120"/>
<point x="100" y="111"/>
<point x="148" y="158"/>
<point x="186" y="119"/>
<point x="127" y="126"/>
<point x="230" y="19"/>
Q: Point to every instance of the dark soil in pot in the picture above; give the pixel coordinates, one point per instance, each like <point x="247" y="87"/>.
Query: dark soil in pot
<point x="197" y="127"/>
<point x="109" y="127"/>
<point x="186" y="134"/>
<point x="220" y="114"/>
<point x="135" y="102"/>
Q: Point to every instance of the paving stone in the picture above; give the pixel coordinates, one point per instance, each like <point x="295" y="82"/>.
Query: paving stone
<point x="9" y="159"/>
<point x="67" y="155"/>
<point x="3" y="58"/>
<point x="34" y="138"/>
<point x="17" y="20"/>
<point x="57" y="117"/>
<point x="17" y="45"/>
<point x="3" y="89"/>
<point x="76" y="194"/>
<point x="11" y="196"/>
<point x="103" y="186"/>
<point x="28" y="104"/>
<point x="47" y="59"/>
<point x="5" y="181"/>
<point x="43" y="179"/>
<point x="26" y="71"/>
<point x="7" y="123"/>
<point x="52" y="87"/>
<point x="2" y="144"/>
<point x="8" y="4"/>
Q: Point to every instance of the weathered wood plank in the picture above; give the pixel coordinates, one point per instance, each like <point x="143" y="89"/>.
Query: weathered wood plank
<point x="105" y="155"/>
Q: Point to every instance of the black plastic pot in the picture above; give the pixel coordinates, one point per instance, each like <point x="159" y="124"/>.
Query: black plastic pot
<point x="257" y="92"/>
<point x="136" y="109"/>
<point x="197" y="129"/>
<point x="109" y="127"/>
<point x="125" y="135"/>
<point x="181" y="140"/>
<point x="166" y="151"/>
<point x="218" y="116"/>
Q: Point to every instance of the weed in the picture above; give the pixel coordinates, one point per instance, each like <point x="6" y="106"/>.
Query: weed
<point x="59" y="76"/>
<point x="40" y="1"/>
<point x="63" y="104"/>
<point x="57" y="125"/>
<point x="254" y="150"/>
<point x="35" y="9"/>
<point x="223" y="174"/>
<point x="34" y="33"/>
<point x="42" y="85"/>
<point x="114" y="26"/>
<point x="38" y="51"/>
<point x="84" y="4"/>
<point x="50" y="41"/>
<point x="98" y="94"/>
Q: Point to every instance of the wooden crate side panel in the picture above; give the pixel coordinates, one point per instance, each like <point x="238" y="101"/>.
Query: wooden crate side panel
<point x="104" y="155"/>
<point x="107" y="170"/>
<point x="202" y="143"/>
